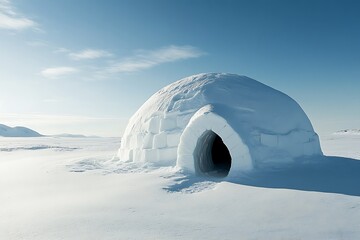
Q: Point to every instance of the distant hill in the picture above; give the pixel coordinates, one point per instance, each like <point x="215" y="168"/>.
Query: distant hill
<point x="73" y="135"/>
<point x="6" y="131"/>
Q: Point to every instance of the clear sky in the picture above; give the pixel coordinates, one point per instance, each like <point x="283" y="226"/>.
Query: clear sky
<point x="85" y="66"/>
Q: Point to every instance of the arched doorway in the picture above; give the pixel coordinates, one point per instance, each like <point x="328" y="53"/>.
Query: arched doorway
<point x="209" y="146"/>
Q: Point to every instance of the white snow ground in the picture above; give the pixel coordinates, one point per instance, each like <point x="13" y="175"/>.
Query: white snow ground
<point x="66" y="188"/>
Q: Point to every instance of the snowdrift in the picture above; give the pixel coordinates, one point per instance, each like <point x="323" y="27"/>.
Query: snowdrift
<point x="219" y="125"/>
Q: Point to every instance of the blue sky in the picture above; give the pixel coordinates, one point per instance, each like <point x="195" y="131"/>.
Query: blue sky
<point x="85" y="66"/>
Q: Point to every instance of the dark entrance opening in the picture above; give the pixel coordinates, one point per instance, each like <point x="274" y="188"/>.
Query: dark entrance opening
<point x="212" y="157"/>
<point x="220" y="155"/>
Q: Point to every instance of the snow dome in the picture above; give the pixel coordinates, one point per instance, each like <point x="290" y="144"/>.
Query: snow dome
<point x="218" y="124"/>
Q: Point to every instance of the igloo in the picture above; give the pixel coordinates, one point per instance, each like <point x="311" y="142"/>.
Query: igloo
<point x="218" y="124"/>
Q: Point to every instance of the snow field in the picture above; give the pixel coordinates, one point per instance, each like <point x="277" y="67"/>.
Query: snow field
<point x="83" y="194"/>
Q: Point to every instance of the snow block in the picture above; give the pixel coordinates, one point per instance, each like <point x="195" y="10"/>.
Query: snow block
<point x="149" y="155"/>
<point x="154" y="125"/>
<point x="168" y="123"/>
<point x="160" y="140"/>
<point x="136" y="155"/>
<point x="139" y="139"/>
<point x="173" y="139"/>
<point x="126" y="154"/>
<point x="167" y="154"/>
<point x="148" y="141"/>
<point x="269" y="140"/>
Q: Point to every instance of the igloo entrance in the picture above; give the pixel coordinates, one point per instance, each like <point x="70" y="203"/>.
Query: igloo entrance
<point x="211" y="156"/>
<point x="209" y="146"/>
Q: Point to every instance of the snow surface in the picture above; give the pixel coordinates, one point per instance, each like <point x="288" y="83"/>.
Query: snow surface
<point x="349" y="131"/>
<point x="70" y="188"/>
<point x="259" y="125"/>
<point x="6" y="131"/>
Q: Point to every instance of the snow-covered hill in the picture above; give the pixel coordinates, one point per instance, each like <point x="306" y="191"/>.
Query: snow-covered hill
<point x="6" y="131"/>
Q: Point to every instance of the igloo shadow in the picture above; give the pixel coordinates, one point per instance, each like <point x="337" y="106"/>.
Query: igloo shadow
<point x="326" y="174"/>
<point x="218" y="124"/>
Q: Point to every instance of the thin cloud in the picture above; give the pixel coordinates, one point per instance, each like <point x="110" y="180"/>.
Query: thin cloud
<point x="148" y="59"/>
<point x="61" y="50"/>
<point x="52" y="100"/>
<point x="11" y="20"/>
<point x="58" y="72"/>
<point x="37" y="43"/>
<point x="89" y="54"/>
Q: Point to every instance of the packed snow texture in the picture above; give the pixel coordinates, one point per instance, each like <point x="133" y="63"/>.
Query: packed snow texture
<point x="80" y="193"/>
<point x="259" y="125"/>
<point x="6" y="131"/>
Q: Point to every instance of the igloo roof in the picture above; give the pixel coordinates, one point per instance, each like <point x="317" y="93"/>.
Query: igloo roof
<point x="248" y="106"/>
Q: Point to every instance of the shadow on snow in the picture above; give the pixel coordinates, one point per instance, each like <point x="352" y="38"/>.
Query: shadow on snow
<point x="325" y="174"/>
